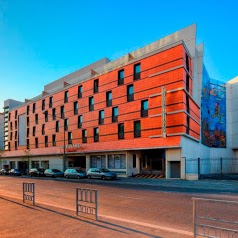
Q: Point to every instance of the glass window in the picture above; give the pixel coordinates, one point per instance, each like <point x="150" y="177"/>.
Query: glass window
<point x="66" y="96"/>
<point x="95" y="85"/>
<point x="137" y="129"/>
<point x="54" y="140"/>
<point x="114" y="114"/>
<point x="121" y="77"/>
<point x="109" y="98"/>
<point x="101" y="117"/>
<point x="98" y="161"/>
<point x="75" y="108"/>
<point x="70" y="137"/>
<point x="50" y="101"/>
<point x="144" y="108"/>
<point x="137" y="71"/>
<point x="130" y="93"/>
<point x="91" y="104"/>
<point x="62" y="111"/>
<point x="53" y="113"/>
<point x="43" y="104"/>
<point x="117" y="161"/>
<point x="121" y="131"/>
<point x="80" y="91"/>
<point x="34" y="108"/>
<point x="96" y="134"/>
<point x="80" y="121"/>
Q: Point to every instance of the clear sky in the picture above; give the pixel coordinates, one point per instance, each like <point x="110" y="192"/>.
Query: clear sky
<point x="43" y="40"/>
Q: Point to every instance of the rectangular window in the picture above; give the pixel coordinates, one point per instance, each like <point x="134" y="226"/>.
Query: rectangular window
<point x="80" y="121"/>
<point x="54" y="140"/>
<point x="144" y="108"/>
<point x="121" y="131"/>
<point x="66" y="96"/>
<point x="101" y="117"/>
<point x="43" y="129"/>
<point x="62" y="112"/>
<point x="36" y="118"/>
<point x="9" y="116"/>
<point x="98" y="161"/>
<point x="15" y="124"/>
<point x="46" y="116"/>
<point x="53" y="114"/>
<point x="9" y="146"/>
<point x="84" y="136"/>
<point x="16" y="114"/>
<point x="15" y="145"/>
<point x="27" y="121"/>
<point x="117" y="161"/>
<point x="96" y="134"/>
<point x="36" y="142"/>
<point x="137" y="129"/>
<point x="34" y="108"/>
<point x="70" y="138"/>
<point x="66" y="124"/>
<point x="46" y="141"/>
<point x="10" y="125"/>
<point x="50" y="102"/>
<point x="187" y="62"/>
<point x="28" y="144"/>
<point x="137" y="71"/>
<point x="130" y="93"/>
<point x="34" y="131"/>
<point x="27" y="110"/>
<point x="27" y="132"/>
<point x="188" y="125"/>
<point x="57" y="126"/>
<point x="114" y="114"/>
<point x="187" y="82"/>
<point x="75" y="108"/>
<point x="11" y="136"/>
<point x="91" y="104"/>
<point x="121" y="77"/>
<point x="95" y="85"/>
<point x="187" y="104"/>
<point x="109" y="98"/>
<point x="80" y="91"/>
<point x="134" y="160"/>
<point x="43" y="105"/>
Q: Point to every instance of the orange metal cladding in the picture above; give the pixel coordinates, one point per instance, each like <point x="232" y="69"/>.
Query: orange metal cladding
<point x="166" y="68"/>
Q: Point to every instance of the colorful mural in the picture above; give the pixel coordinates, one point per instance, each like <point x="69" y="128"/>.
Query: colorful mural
<point x="213" y="113"/>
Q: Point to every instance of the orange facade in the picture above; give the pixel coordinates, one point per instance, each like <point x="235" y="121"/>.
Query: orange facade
<point x="171" y="68"/>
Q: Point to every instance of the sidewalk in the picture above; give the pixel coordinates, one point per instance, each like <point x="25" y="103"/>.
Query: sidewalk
<point x="24" y="220"/>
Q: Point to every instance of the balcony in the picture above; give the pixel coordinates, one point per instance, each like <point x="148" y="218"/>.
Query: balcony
<point x="137" y="133"/>
<point x="130" y="97"/>
<point x="144" y="113"/>
<point x="101" y="121"/>
<point x="114" y="118"/>
<point x="109" y="103"/>
<point x="96" y="138"/>
<point x="121" y="135"/>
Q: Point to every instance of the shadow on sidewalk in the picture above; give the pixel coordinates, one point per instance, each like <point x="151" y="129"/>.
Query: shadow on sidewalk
<point x="101" y="224"/>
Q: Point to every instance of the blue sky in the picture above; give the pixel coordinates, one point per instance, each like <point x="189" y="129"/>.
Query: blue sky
<point x="41" y="41"/>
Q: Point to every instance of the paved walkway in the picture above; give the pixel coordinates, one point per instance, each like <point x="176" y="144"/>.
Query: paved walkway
<point x="23" y="220"/>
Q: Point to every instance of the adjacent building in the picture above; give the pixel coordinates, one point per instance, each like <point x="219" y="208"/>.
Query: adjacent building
<point x="142" y="113"/>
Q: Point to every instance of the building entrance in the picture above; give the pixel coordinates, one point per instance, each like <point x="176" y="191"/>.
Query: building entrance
<point x="153" y="162"/>
<point x="77" y="161"/>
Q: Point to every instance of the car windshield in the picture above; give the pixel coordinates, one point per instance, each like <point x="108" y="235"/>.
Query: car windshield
<point x="104" y="170"/>
<point x="56" y="170"/>
<point x="80" y="171"/>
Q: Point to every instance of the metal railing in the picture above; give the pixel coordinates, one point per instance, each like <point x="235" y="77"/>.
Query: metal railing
<point x="28" y="191"/>
<point x="87" y="202"/>
<point x="214" y="224"/>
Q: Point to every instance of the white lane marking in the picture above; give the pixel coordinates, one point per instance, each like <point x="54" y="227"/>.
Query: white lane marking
<point x="163" y="228"/>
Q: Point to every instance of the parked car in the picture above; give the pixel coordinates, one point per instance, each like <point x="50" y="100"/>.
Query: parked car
<point x="4" y="172"/>
<point x="15" y="172"/>
<point x="74" y="173"/>
<point x="53" y="173"/>
<point x="37" y="172"/>
<point x="101" y="173"/>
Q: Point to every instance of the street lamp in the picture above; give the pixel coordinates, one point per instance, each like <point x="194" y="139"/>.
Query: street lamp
<point x="64" y="154"/>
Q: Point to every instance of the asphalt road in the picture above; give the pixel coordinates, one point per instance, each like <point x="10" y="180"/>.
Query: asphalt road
<point x="164" y="205"/>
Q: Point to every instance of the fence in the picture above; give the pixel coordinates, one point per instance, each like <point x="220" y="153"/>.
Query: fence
<point x="217" y="168"/>
<point x="87" y="202"/>
<point x="215" y="218"/>
<point x="29" y="192"/>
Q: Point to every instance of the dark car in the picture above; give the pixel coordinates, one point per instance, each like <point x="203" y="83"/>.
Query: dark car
<point x="4" y="172"/>
<point x="37" y="172"/>
<point x="101" y="173"/>
<point x="74" y="173"/>
<point x="53" y="173"/>
<point x="15" y="172"/>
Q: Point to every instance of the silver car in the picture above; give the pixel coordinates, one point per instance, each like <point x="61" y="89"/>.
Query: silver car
<point x="53" y="173"/>
<point x="74" y="173"/>
<point x="101" y="173"/>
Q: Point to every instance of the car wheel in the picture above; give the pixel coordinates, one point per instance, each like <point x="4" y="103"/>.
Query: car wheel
<point x="103" y="177"/>
<point x="89" y="177"/>
<point x="66" y="176"/>
<point x="78" y="177"/>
